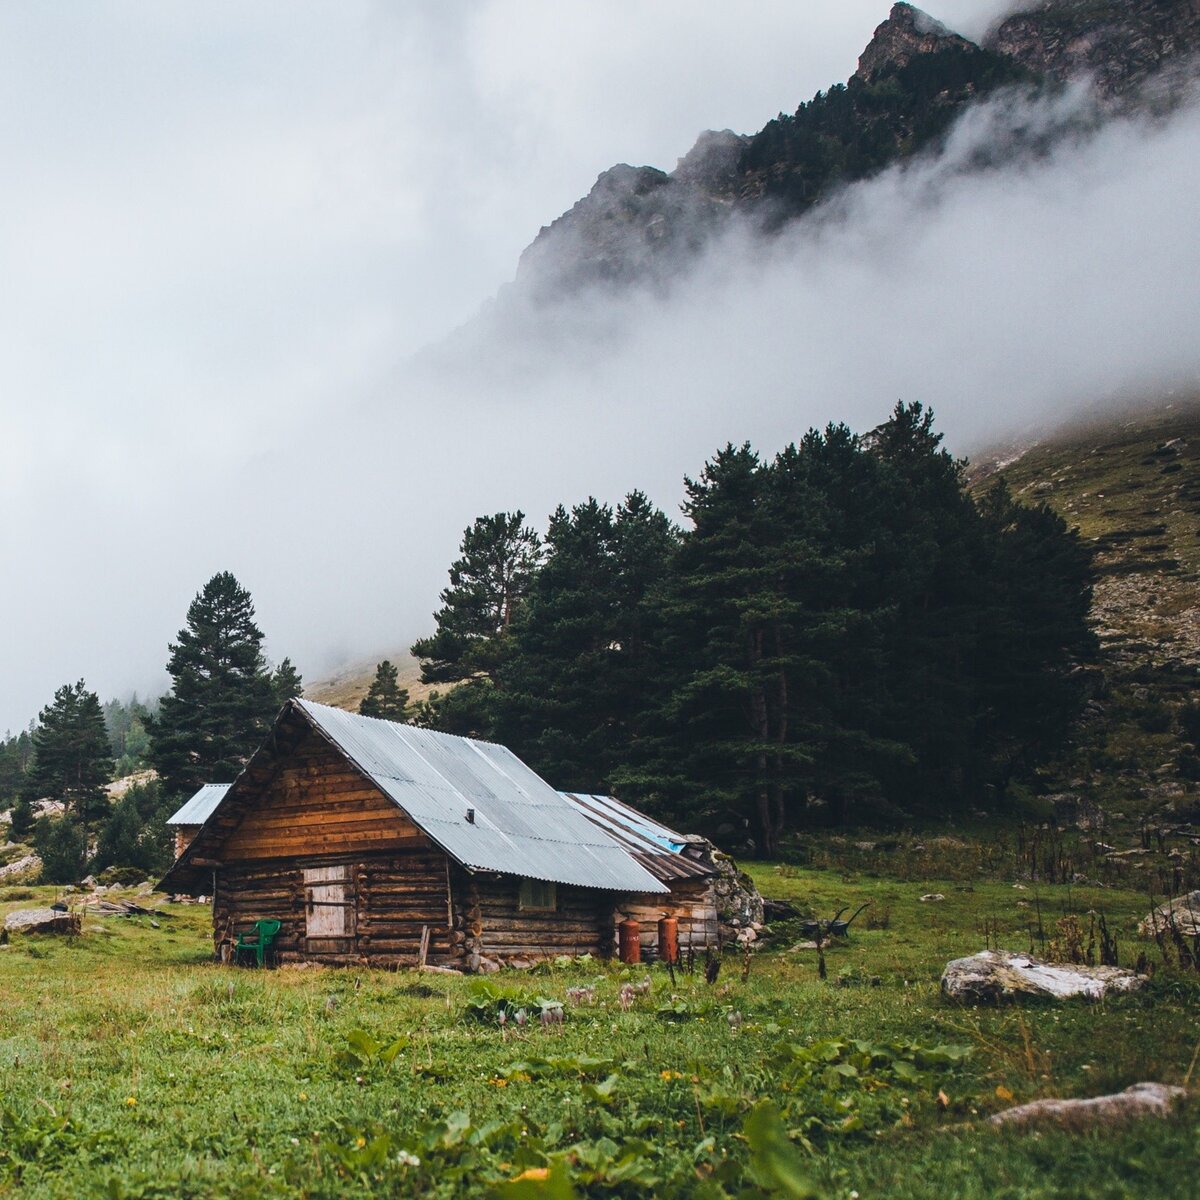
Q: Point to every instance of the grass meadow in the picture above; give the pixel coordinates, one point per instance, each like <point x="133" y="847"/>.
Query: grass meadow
<point x="132" y="1066"/>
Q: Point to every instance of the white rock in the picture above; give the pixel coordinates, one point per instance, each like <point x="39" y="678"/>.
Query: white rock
<point x="1183" y="912"/>
<point x="1000" y="975"/>
<point x="41" y="920"/>
<point x="1140" y="1100"/>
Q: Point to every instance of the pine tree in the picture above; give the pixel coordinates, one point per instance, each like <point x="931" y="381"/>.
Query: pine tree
<point x="62" y="847"/>
<point x="136" y="834"/>
<point x="222" y="699"/>
<point x="72" y="757"/>
<point x="574" y="682"/>
<point x="385" y="699"/>
<point x="498" y="558"/>
<point x="286" y="683"/>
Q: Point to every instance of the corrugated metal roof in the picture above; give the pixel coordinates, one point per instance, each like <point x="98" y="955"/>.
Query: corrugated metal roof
<point x="662" y="851"/>
<point x="196" y="810"/>
<point x="521" y="826"/>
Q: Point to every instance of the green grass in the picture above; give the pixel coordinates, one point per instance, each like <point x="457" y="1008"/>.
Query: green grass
<point x="243" y="1084"/>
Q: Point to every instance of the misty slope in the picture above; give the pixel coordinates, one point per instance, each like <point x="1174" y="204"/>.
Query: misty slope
<point x="346" y="687"/>
<point x="1132" y="486"/>
<point x="643" y="225"/>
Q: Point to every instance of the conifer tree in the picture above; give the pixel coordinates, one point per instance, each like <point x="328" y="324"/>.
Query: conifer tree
<point x="575" y="678"/>
<point x="221" y="701"/>
<point x="498" y="558"/>
<point x="72" y="757"/>
<point x="62" y="846"/>
<point x="286" y="683"/>
<point x="385" y="699"/>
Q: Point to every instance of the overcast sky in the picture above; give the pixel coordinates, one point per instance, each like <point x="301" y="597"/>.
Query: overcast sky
<point x="224" y="228"/>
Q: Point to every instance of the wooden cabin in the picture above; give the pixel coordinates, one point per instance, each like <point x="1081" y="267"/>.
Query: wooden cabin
<point x="189" y="817"/>
<point x="374" y="842"/>
<point x="684" y="863"/>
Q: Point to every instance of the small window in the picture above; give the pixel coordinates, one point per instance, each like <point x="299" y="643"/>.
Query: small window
<point x="538" y="896"/>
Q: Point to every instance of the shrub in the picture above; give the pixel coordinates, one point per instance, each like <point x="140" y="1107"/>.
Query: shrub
<point x="62" y="847"/>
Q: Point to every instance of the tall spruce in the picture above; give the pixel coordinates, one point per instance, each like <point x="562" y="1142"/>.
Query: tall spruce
<point x="286" y="683"/>
<point x="222" y="699"/>
<point x="72" y="758"/>
<point x="573" y="681"/>
<point x="498" y="557"/>
<point x="385" y="698"/>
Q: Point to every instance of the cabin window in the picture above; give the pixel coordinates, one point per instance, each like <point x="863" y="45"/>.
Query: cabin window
<point x="538" y="896"/>
<point x="329" y="902"/>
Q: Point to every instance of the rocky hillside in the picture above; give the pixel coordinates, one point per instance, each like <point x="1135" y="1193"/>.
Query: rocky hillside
<point x="1121" y="44"/>
<point x="1132" y="487"/>
<point x="644" y="225"/>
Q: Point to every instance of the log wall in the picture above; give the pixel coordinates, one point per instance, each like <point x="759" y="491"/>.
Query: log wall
<point x="492" y="925"/>
<point x="395" y="896"/>
<point x="692" y="902"/>
<point x="318" y="802"/>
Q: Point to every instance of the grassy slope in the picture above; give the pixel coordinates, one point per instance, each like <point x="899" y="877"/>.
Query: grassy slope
<point x="1132" y="487"/>
<point x="239" y="1092"/>
<point x="346" y="687"/>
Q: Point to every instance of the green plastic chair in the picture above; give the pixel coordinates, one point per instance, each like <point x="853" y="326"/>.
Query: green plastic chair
<point x="259" y="941"/>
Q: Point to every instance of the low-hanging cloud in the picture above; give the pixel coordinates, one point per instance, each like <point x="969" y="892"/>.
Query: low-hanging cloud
<point x="335" y="477"/>
<point x="1010" y="299"/>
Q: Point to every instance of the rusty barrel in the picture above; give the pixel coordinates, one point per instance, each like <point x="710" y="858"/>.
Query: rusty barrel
<point x="630" y="940"/>
<point x="668" y="940"/>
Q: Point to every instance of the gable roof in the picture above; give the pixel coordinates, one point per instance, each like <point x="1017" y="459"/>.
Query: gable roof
<point x="521" y="825"/>
<point x="663" y="852"/>
<point x="199" y="808"/>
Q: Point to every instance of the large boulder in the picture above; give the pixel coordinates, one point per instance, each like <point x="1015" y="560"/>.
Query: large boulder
<point x="1183" y="913"/>
<point x="41" y="920"/>
<point x="993" y="976"/>
<point x="1100" y="1112"/>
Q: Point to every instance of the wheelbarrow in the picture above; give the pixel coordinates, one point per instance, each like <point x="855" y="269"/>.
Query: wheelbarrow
<point x="832" y="928"/>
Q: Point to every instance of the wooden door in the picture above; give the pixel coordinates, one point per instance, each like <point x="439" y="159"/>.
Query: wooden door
<point x="330" y="908"/>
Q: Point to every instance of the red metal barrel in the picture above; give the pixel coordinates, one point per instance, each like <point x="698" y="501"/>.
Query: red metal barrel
<point x="630" y="938"/>
<point x="668" y="940"/>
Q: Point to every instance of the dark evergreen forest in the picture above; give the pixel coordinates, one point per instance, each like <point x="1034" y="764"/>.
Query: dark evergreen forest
<point x="840" y="634"/>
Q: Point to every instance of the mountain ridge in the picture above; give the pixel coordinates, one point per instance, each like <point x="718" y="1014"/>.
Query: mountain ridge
<point x="643" y="226"/>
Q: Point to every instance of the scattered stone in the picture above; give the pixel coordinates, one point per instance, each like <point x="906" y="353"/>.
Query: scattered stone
<point x="1103" y="1112"/>
<point x="15" y="871"/>
<point x="864" y="845"/>
<point x="932" y="898"/>
<point x="1183" y="912"/>
<point x="805" y="946"/>
<point x="997" y="975"/>
<point x="41" y="920"/>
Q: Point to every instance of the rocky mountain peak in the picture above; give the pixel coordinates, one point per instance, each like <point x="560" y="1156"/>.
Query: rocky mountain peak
<point x="1119" y="43"/>
<point x="906" y="33"/>
<point x="712" y="163"/>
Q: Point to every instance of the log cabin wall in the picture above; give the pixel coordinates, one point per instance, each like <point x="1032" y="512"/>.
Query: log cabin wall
<point x="183" y="837"/>
<point x="317" y="802"/>
<point x="348" y="875"/>
<point x="389" y="899"/>
<point x="693" y="902"/>
<point x="492" y="924"/>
